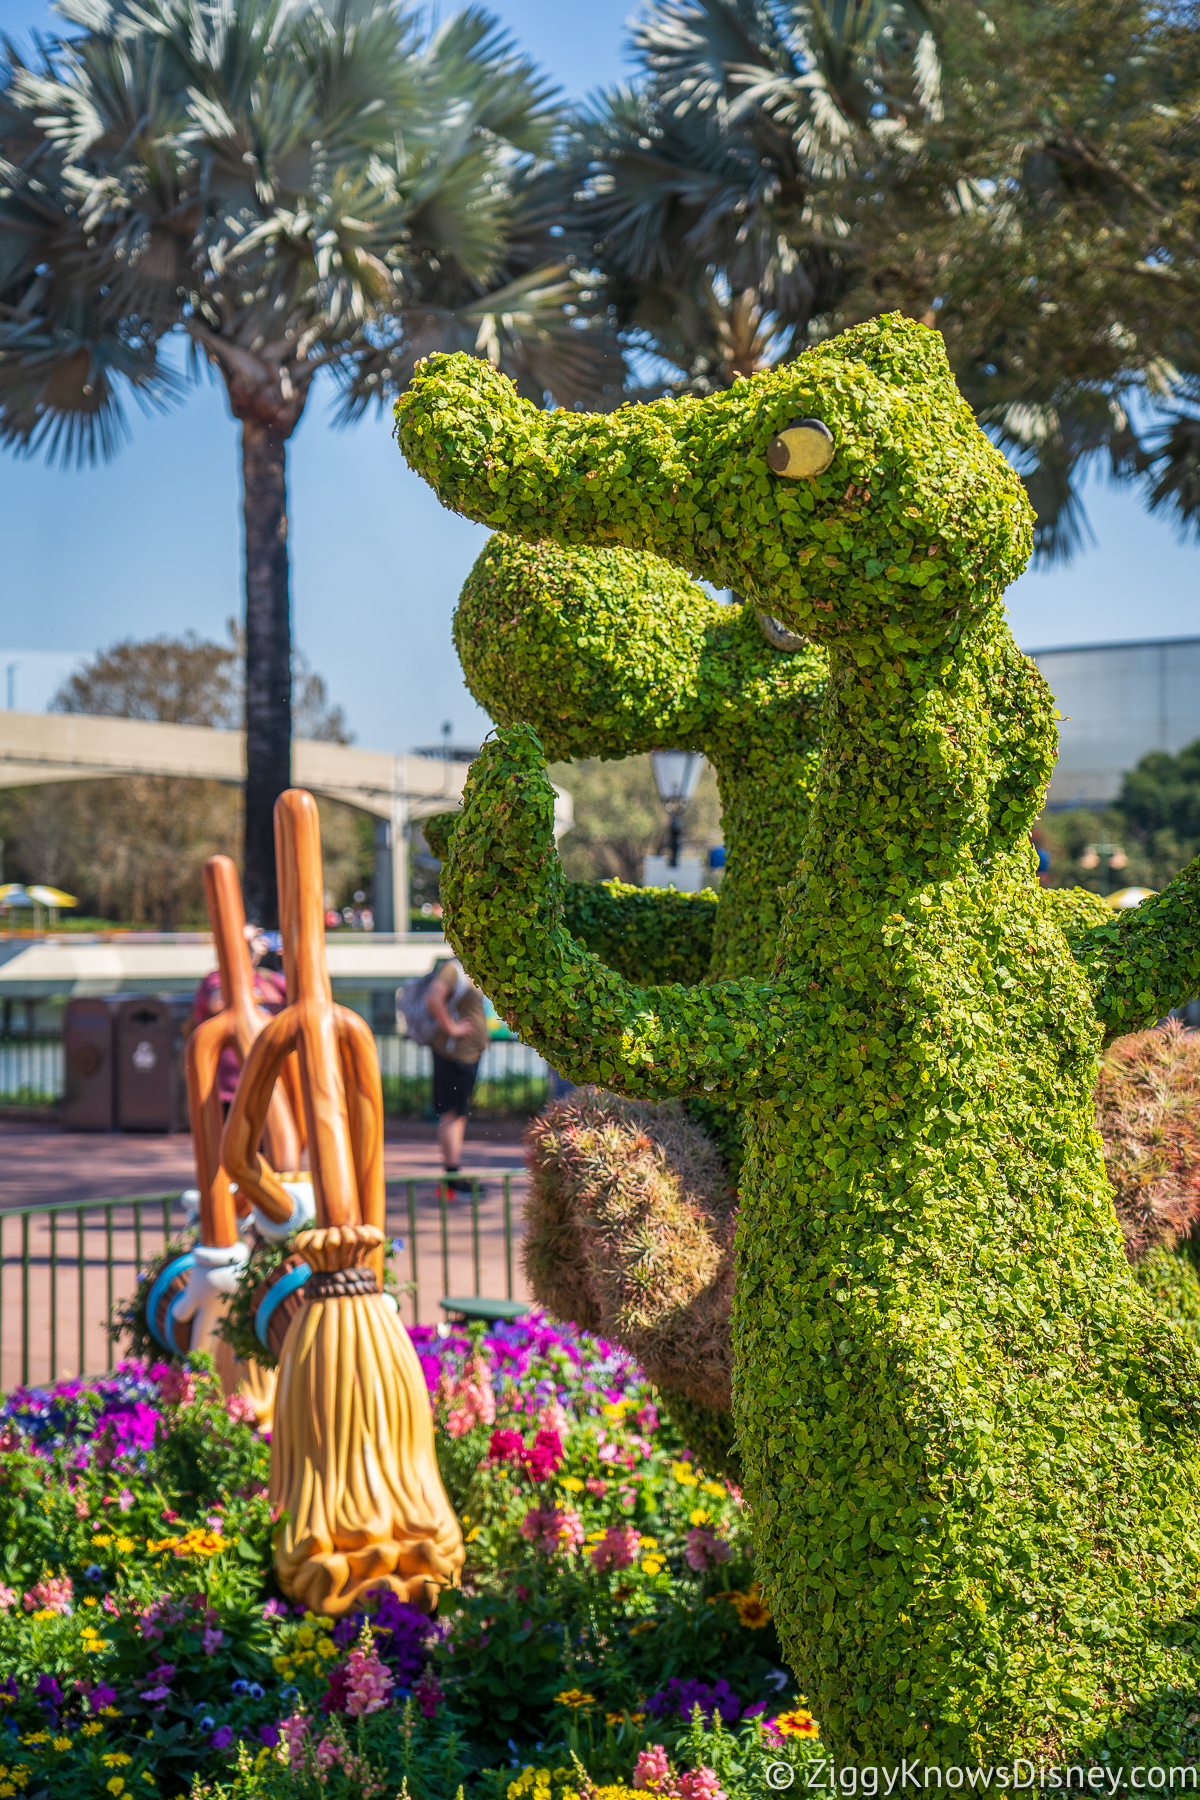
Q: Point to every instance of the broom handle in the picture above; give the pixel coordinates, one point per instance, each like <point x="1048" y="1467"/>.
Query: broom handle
<point x="302" y="918"/>
<point x="284" y="1140"/>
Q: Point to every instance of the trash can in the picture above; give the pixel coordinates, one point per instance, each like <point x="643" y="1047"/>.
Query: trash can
<point x="87" y="1036"/>
<point x="151" y="1088"/>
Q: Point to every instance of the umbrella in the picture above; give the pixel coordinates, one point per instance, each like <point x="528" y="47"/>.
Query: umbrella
<point x="48" y="896"/>
<point x="1130" y="896"/>
<point x="13" y="894"/>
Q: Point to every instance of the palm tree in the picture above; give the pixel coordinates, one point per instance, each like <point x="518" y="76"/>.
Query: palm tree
<point x="291" y="186"/>
<point x="712" y="187"/>
<point x="1021" y="176"/>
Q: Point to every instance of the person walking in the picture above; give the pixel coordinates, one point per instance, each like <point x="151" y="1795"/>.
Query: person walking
<point x="456" y="1006"/>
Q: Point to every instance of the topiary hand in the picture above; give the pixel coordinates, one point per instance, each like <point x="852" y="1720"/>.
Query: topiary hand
<point x="504" y="891"/>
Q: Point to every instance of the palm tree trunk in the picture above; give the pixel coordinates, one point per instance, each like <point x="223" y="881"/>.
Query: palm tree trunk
<point x="268" y="662"/>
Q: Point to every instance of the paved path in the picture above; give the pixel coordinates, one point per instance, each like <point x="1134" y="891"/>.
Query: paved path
<point x="40" y="1164"/>
<point x="52" y="1305"/>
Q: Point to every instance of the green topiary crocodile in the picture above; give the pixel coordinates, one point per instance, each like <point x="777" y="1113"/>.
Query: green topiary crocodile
<point x="970" y="1444"/>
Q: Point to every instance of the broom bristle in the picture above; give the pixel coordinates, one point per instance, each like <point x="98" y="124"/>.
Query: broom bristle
<point x="352" y="1456"/>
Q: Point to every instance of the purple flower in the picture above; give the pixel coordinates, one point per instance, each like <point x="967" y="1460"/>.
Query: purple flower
<point x="8" y="1688"/>
<point x="222" y="1737"/>
<point x="682" y="1697"/>
<point x="47" y="1689"/>
<point x="275" y="1609"/>
<point x="100" y="1696"/>
<point x="269" y="1736"/>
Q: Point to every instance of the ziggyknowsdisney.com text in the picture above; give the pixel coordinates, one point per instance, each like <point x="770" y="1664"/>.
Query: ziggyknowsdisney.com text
<point x="1020" y="1776"/>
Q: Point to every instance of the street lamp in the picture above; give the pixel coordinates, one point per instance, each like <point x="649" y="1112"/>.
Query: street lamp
<point x="676" y="773"/>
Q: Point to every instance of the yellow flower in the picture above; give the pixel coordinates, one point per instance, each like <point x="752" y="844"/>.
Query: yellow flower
<point x="92" y="1728"/>
<point x="684" y="1474"/>
<point x="593" y="1537"/>
<point x="652" y="1565"/>
<point x="797" y="1723"/>
<point x="100" y="1540"/>
<point x="752" y="1609"/>
<point x="116" y="1785"/>
<point x="281" y="1665"/>
<point x="700" y="1517"/>
<point x="147" y="1776"/>
<point x="116" y="1759"/>
<point x="37" y="1737"/>
<point x="126" y="1546"/>
<point x="327" y="1648"/>
<point x="306" y="1637"/>
<point x="472" y="1534"/>
<point x="574" y="1697"/>
<point x="6" y="1789"/>
<point x="714" y="1488"/>
<point x="614" y="1410"/>
<point x="647" y="1543"/>
<point x="110" y="1712"/>
<point x="572" y="1484"/>
<point x="44" y="1612"/>
<point x="62" y="1743"/>
<point x="642" y="1625"/>
<point x="90" y="1600"/>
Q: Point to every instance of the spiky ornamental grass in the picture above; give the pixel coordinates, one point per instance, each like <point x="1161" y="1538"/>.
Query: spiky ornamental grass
<point x="969" y="1442"/>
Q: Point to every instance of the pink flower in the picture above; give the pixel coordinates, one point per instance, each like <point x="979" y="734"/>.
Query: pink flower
<point x="124" y="1499"/>
<point x="214" y="1637"/>
<point x="652" y="1770"/>
<point x="647" y="1417"/>
<point x="506" y="1446"/>
<point x="553" y="1528"/>
<point x="110" y="1606"/>
<point x="368" y="1683"/>
<point x="292" y="1732"/>
<point x="81" y="1509"/>
<point x="8" y="1597"/>
<point x="55" y="1595"/>
<point x="704" y="1549"/>
<point x="627" y="1496"/>
<point x="594" y="1485"/>
<point x="241" y="1409"/>
<point x="609" y="1453"/>
<point x="428" y="1693"/>
<point x="546" y="1457"/>
<point x="554" y="1417"/>
<point x="329" y="1753"/>
<point x="616" y="1549"/>
<point x="177" y="1386"/>
<point x="700" y="1784"/>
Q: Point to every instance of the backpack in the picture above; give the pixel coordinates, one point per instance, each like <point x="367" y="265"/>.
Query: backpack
<point x="412" y="1006"/>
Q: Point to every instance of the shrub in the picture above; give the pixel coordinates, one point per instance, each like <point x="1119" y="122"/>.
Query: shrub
<point x="968" y="1441"/>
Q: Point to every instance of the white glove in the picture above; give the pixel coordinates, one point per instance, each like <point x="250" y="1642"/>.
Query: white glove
<point x="211" y="1279"/>
<point x="303" y="1213"/>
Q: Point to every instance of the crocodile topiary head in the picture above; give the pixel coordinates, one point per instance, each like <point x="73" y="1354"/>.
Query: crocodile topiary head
<point x="849" y="491"/>
<point x="613" y="652"/>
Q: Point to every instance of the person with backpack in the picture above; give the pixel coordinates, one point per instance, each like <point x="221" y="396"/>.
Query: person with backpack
<point x="446" y="1011"/>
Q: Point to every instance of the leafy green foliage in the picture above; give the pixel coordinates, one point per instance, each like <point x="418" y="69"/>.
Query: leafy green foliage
<point x="967" y="1438"/>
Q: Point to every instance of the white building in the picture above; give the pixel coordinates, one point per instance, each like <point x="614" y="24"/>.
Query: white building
<point x="1118" y="701"/>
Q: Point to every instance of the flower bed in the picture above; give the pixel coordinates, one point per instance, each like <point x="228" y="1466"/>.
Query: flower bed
<point x="609" y="1637"/>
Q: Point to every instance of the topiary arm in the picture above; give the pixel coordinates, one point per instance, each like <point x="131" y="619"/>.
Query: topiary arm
<point x="1145" y="960"/>
<point x="505" y="915"/>
<point x="649" y="935"/>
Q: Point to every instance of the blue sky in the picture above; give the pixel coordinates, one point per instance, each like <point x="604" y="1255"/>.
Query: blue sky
<point x="152" y="541"/>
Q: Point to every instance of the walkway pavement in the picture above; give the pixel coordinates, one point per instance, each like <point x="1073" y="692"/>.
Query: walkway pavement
<point x="59" y="1274"/>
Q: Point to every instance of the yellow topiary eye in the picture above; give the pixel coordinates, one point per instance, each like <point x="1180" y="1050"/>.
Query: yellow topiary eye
<point x="803" y="449"/>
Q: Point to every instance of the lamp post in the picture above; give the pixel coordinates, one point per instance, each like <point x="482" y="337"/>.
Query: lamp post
<point x="676" y="773"/>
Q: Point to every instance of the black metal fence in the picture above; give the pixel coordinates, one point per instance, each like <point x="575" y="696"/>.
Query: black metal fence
<point x="63" y="1267"/>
